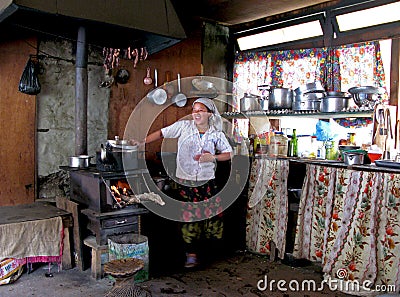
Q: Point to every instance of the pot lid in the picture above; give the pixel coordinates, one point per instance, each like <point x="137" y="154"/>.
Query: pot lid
<point x="121" y="144"/>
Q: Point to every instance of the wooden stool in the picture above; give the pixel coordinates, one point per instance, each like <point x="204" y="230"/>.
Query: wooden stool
<point x="98" y="253"/>
<point x="124" y="270"/>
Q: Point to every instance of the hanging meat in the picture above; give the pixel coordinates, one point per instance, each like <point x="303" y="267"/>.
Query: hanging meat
<point x="112" y="56"/>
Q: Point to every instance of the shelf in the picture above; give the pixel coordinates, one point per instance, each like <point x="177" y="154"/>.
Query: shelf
<point x="276" y="114"/>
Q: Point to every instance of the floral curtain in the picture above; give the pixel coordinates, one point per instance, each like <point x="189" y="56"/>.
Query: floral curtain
<point x="337" y="68"/>
<point x="267" y="215"/>
<point x="349" y="220"/>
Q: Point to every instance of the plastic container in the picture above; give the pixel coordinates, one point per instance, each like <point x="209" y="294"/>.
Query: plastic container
<point x="278" y="145"/>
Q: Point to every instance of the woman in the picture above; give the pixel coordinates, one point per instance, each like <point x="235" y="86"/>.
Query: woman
<point x="201" y="143"/>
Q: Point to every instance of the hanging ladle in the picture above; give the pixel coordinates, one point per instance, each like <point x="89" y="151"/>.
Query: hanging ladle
<point x="179" y="99"/>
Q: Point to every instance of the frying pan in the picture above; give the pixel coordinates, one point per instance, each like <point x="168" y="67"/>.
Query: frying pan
<point x="157" y="95"/>
<point x="179" y="99"/>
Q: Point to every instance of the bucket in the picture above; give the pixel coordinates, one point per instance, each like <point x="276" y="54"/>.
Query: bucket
<point x="130" y="245"/>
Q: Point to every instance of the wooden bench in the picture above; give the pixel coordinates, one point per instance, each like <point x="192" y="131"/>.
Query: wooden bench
<point x="99" y="256"/>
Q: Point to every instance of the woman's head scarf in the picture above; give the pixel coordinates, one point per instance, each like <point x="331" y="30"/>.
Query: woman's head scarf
<point x="215" y="119"/>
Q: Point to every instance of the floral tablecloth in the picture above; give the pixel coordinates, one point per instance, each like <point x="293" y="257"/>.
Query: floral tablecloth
<point x="349" y="220"/>
<point x="267" y="213"/>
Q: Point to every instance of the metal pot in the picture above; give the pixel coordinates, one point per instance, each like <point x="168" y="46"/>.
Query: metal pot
<point x="250" y="102"/>
<point x="263" y="104"/>
<point x="308" y="96"/>
<point x="81" y="161"/>
<point x="309" y="87"/>
<point x="334" y="104"/>
<point x="306" y="105"/>
<point x="280" y="98"/>
<point x="353" y="158"/>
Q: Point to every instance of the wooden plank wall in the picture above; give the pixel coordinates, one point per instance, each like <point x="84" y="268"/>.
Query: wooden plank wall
<point x="17" y="124"/>
<point x="183" y="58"/>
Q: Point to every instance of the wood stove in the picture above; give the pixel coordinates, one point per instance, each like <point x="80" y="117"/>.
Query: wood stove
<point x="106" y="213"/>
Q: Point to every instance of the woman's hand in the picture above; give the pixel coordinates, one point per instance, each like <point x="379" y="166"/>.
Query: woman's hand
<point x="136" y="142"/>
<point x="205" y="157"/>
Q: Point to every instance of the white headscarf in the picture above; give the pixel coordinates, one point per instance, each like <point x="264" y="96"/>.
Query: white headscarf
<point x="215" y="119"/>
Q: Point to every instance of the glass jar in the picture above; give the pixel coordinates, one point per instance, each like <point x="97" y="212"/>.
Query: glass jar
<point x="330" y="150"/>
<point x="278" y="145"/>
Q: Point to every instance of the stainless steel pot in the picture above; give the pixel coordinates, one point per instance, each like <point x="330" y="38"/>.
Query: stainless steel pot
<point x="280" y="98"/>
<point x="250" y="102"/>
<point x="309" y="87"/>
<point x="334" y="104"/>
<point x="306" y="105"/>
<point x="353" y="158"/>
<point x="81" y="161"/>
<point x="308" y="96"/>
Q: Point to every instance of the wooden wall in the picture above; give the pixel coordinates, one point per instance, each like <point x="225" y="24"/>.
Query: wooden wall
<point x="17" y="124"/>
<point x="183" y="58"/>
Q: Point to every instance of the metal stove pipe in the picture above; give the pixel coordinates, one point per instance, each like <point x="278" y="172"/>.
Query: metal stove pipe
<point x="81" y="93"/>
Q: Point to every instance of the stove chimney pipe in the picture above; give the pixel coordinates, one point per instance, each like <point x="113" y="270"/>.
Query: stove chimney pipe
<point x="81" y="93"/>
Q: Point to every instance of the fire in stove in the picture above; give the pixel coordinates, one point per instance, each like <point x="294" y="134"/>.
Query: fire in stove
<point x="124" y="196"/>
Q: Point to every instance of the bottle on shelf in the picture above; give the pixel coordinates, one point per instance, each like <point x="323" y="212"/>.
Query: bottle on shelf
<point x="293" y="145"/>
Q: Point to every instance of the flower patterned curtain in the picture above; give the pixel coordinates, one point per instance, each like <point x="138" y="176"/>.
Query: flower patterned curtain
<point x="349" y="221"/>
<point x="267" y="215"/>
<point x="337" y="68"/>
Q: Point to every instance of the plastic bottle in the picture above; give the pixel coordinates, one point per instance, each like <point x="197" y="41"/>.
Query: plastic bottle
<point x="293" y="145"/>
<point x="314" y="147"/>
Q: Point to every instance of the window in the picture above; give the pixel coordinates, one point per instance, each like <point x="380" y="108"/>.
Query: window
<point x="282" y="35"/>
<point x="369" y="17"/>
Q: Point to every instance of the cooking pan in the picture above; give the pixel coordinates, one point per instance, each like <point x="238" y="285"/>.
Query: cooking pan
<point x="81" y="161"/>
<point x="179" y="99"/>
<point x="157" y="95"/>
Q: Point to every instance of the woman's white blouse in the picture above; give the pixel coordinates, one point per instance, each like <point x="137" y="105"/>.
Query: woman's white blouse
<point x="191" y="144"/>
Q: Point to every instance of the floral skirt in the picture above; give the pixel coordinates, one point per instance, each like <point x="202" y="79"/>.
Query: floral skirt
<point x="202" y="213"/>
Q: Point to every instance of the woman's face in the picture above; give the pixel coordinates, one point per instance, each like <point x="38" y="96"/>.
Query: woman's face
<point x="200" y="114"/>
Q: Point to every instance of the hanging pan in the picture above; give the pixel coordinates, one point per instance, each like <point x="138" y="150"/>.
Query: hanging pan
<point x="157" y="95"/>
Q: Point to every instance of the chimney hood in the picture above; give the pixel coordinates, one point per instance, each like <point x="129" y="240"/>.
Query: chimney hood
<point x="109" y="23"/>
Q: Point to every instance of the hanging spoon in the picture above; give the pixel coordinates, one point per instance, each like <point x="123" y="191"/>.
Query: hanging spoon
<point x="147" y="80"/>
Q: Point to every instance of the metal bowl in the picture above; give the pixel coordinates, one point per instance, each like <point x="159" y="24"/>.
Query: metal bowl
<point x="362" y="96"/>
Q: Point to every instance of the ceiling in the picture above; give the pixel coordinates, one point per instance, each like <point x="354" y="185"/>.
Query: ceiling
<point x="237" y="12"/>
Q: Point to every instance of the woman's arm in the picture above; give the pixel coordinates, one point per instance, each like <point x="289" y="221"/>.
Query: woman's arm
<point x="153" y="136"/>
<point x="149" y="138"/>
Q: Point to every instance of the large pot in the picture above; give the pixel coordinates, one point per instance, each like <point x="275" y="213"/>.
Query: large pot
<point x="81" y="161"/>
<point x="306" y="105"/>
<point x="250" y="102"/>
<point x="334" y="104"/>
<point x="309" y="87"/>
<point x="280" y="98"/>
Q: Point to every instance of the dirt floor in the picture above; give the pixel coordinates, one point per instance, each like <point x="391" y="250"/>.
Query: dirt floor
<point x="236" y="275"/>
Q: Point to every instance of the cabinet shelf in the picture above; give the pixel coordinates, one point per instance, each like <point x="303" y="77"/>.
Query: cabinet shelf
<point x="276" y="114"/>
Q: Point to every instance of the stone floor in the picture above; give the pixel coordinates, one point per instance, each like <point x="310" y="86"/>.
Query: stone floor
<point x="241" y="274"/>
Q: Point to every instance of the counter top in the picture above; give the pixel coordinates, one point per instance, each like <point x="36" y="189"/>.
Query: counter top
<point x="335" y="163"/>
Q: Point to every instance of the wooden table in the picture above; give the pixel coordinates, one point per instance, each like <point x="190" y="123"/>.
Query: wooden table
<point x="39" y="211"/>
